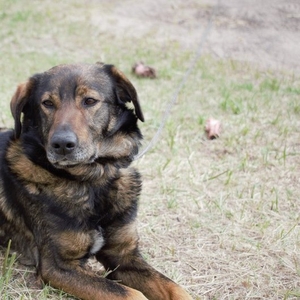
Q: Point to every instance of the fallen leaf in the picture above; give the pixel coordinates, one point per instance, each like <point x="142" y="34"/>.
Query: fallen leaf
<point x="141" y="70"/>
<point x="212" y="128"/>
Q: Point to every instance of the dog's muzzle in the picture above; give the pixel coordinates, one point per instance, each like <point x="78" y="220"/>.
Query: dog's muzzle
<point x="63" y="147"/>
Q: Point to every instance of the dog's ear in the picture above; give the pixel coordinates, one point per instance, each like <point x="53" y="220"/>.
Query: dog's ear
<point x="18" y="102"/>
<point x="126" y="91"/>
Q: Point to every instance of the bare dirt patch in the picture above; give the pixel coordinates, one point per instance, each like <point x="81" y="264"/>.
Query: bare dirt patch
<point x="265" y="33"/>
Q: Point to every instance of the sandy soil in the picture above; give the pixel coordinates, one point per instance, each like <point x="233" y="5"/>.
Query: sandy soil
<point x="266" y="32"/>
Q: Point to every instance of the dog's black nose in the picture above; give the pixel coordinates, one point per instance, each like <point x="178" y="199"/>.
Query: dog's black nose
<point x="64" y="142"/>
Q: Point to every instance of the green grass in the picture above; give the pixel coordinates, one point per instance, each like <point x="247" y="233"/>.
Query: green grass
<point x="219" y="217"/>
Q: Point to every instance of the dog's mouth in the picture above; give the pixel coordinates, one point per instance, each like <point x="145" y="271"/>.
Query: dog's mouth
<point x="66" y="163"/>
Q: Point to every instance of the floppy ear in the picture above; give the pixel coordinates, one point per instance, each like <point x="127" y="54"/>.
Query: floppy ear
<point x="126" y="91"/>
<point x="17" y="103"/>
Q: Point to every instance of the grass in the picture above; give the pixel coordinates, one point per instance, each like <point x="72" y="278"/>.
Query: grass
<point x="219" y="217"/>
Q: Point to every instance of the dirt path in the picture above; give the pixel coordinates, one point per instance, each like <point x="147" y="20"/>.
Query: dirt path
<point x="266" y="33"/>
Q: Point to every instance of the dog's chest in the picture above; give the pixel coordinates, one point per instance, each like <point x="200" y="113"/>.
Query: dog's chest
<point x="75" y="199"/>
<point x="72" y="213"/>
<point x="78" y="201"/>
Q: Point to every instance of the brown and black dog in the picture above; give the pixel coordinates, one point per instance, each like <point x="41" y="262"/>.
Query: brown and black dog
<point x="66" y="189"/>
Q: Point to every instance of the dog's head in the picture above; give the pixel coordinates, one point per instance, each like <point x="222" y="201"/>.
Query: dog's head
<point x="79" y="113"/>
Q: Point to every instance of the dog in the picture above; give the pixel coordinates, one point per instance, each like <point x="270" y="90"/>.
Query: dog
<point x="67" y="191"/>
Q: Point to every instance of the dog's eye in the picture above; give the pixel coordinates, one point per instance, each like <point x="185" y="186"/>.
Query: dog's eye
<point x="48" y="103"/>
<point x="89" y="102"/>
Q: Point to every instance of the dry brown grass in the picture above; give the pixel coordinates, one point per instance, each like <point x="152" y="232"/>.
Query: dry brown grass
<point x="220" y="217"/>
<point x="232" y="204"/>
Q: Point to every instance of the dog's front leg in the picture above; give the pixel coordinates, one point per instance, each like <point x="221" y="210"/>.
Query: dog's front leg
<point x="121" y="255"/>
<point x="74" y="279"/>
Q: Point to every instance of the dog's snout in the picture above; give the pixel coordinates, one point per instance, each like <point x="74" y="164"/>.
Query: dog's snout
<point x="64" y="142"/>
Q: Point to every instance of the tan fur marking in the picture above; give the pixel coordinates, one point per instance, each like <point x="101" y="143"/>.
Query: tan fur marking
<point x="123" y="241"/>
<point x="3" y="203"/>
<point x="112" y="123"/>
<point x="160" y="289"/>
<point x="118" y="145"/>
<point x="71" y="116"/>
<point x="19" y="97"/>
<point x="25" y="169"/>
<point x="74" y="245"/>
<point x="39" y="179"/>
<point x="127" y="189"/>
<point x="85" y="92"/>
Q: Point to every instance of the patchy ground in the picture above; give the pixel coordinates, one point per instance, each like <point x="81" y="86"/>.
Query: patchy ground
<point x="265" y="33"/>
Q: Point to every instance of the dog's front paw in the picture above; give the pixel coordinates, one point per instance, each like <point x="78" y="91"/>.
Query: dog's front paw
<point x="178" y="293"/>
<point x="136" y="295"/>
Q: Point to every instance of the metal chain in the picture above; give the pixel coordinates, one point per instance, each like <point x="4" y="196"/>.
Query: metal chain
<point x="173" y="100"/>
